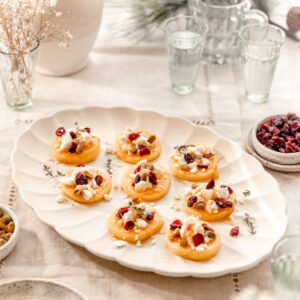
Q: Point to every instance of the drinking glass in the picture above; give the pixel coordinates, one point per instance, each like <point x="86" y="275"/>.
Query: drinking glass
<point x="260" y="46"/>
<point x="224" y="19"/>
<point x="185" y="37"/>
<point x="285" y="260"/>
<point x="16" y="72"/>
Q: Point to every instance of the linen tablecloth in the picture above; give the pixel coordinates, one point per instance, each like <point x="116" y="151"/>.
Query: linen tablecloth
<point x="137" y="76"/>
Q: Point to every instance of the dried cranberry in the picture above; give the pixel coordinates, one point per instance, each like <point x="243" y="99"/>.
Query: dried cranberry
<point x="122" y="211"/>
<point x="129" y="225"/>
<point x="210" y="184"/>
<point x="175" y="224"/>
<point x="133" y="136"/>
<point x="138" y="169"/>
<point x="228" y="203"/>
<point x="150" y="216"/>
<point x="60" y="131"/>
<point x="87" y="129"/>
<point x="206" y="227"/>
<point x="191" y="201"/>
<point x="73" y="147"/>
<point x="99" y="179"/>
<point x="81" y="179"/>
<point x="188" y="158"/>
<point x="137" y="179"/>
<point x="220" y="203"/>
<point x="202" y="167"/>
<point x="230" y="190"/>
<point x="73" y="134"/>
<point x="144" y="151"/>
<point x="235" y="231"/>
<point x="152" y="178"/>
<point x="80" y="165"/>
<point x="198" y="239"/>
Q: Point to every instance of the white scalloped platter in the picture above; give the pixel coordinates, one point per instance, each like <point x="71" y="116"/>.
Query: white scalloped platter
<point x="86" y="226"/>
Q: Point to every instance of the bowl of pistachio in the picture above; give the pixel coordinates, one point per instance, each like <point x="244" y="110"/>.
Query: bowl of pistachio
<point x="9" y="230"/>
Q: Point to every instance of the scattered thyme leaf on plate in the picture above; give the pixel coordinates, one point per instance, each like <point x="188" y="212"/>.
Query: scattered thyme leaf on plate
<point x="249" y="220"/>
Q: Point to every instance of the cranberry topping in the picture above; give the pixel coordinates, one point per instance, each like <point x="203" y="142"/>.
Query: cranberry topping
<point x="80" y="165"/>
<point x="152" y="178"/>
<point x="188" y="158"/>
<point x="87" y="129"/>
<point x="175" y="224"/>
<point x="81" y="179"/>
<point x="99" y="179"/>
<point x="235" y="231"/>
<point x="230" y="190"/>
<point x="129" y="225"/>
<point x="191" y="201"/>
<point x="198" y="239"/>
<point x="73" y="134"/>
<point x="73" y="147"/>
<point x="221" y="203"/>
<point x="122" y="211"/>
<point x="144" y="151"/>
<point x="138" y="169"/>
<point x="202" y="167"/>
<point x="228" y="203"/>
<point x="137" y="179"/>
<point x="150" y="216"/>
<point x="210" y="184"/>
<point x="60" y="131"/>
<point x="206" y="227"/>
<point x="281" y="134"/>
<point x="133" y="136"/>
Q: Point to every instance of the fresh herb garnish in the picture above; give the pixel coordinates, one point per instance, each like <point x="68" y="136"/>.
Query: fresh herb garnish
<point x="246" y="193"/>
<point x="250" y="223"/>
<point x="49" y="173"/>
<point x="109" y="166"/>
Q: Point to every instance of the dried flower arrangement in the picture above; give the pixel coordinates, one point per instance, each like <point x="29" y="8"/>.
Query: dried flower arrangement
<point x="23" y="25"/>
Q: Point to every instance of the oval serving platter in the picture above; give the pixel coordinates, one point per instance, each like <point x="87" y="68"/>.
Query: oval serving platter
<point x="86" y="226"/>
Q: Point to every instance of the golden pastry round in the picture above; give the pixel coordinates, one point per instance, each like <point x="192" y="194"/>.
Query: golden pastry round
<point x="103" y="189"/>
<point x="118" y="231"/>
<point x="152" y="194"/>
<point x="132" y="158"/>
<point x="204" y="215"/>
<point x="175" y="245"/>
<point x="89" y="154"/>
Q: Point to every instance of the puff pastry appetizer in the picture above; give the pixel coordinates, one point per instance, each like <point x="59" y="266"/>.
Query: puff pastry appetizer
<point x="146" y="181"/>
<point x="193" y="239"/>
<point x="194" y="163"/>
<point x="75" y="145"/>
<point x="135" y="222"/>
<point x="210" y="202"/>
<point x="135" y="144"/>
<point x="86" y="184"/>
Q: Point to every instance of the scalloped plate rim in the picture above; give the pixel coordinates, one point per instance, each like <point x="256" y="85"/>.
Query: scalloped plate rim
<point x="242" y="268"/>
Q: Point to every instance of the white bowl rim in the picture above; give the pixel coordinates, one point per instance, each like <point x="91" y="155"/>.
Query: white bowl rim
<point x="10" y="212"/>
<point x="43" y="280"/>
<point x="272" y="152"/>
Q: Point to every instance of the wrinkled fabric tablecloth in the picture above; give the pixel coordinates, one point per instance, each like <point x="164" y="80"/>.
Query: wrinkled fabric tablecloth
<point x="137" y="76"/>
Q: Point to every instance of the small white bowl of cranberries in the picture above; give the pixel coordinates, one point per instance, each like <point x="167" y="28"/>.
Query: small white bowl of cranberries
<point x="277" y="139"/>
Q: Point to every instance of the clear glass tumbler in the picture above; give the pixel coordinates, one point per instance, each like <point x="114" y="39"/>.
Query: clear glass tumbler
<point x="185" y="37"/>
<point x="285" y="262"/>
<point x="16" y="71"/>
<point x="224" y="18"/>
<point x="260" y="47"/>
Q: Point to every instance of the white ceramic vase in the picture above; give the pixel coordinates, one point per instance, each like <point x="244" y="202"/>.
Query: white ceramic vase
<point x="83" y="19"/>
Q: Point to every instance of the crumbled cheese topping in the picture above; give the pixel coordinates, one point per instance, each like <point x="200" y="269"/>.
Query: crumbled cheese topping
<point x="88" y="189"/>
<point x="145" y="176"/>
<point x="209" y="198"/>
<point x="131" y="146"/>
<point x="193" y="158"/>
<point x="119" y="244"/>
<point x="77" y="135"/>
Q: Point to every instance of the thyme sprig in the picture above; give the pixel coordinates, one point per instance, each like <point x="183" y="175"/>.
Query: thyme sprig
<point x="249" y="220"/>
<point x="246" y="193"/>
<point x="49" y="172"/>
<point x="108" y="166"/>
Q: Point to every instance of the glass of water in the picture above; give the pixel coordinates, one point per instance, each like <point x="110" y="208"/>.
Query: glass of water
<point x="260" y="46"/>
<point x="185" y="37"/>
<point x="285" y="262"/>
